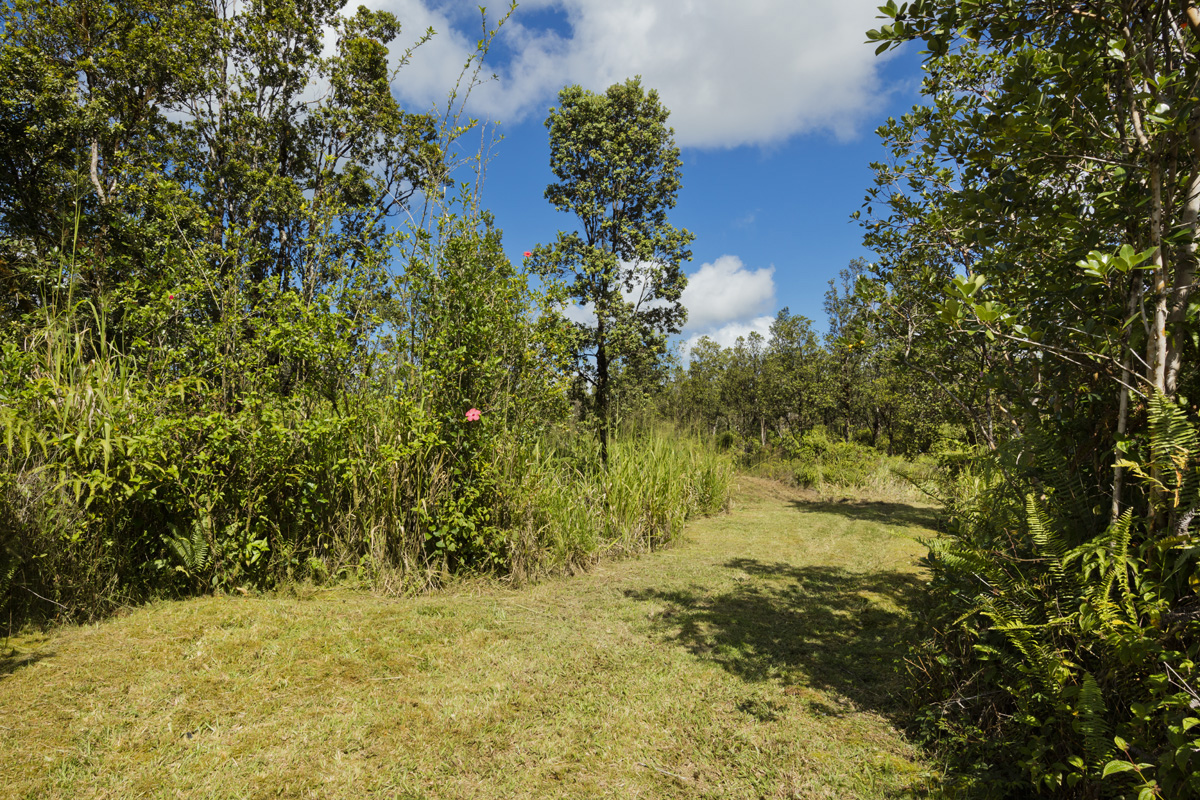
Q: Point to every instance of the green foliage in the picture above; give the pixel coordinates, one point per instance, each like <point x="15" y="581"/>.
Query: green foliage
<point x="578" y="509"/>
<point x="1036" y="226"/>
<point x="142" y="131"/>
<point x="822" y="463"/>
<point x="847" y="464"/>
<point x="617" y="170"/>
<point x="230" y="359"/>
<point x="1060" y="657"/>
<point x="132" y="478"/>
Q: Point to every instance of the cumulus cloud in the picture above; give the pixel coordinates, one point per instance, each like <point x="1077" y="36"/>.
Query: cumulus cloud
<point x="727" y="300"/>
<point x="724" y="299"/>
<point x="726" y="290"/>
<point x="727" y="335"/>
<point x="732" y="72"/>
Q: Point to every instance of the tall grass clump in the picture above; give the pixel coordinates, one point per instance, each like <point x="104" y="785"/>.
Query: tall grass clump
<point x="655" y="482"/>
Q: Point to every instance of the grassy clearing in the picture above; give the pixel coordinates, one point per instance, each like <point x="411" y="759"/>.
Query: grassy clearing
<point x="756" y="659"/>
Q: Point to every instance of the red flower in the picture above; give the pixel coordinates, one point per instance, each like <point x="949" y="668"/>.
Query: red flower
<point x="528" y="254"/>
<point x="473" y="415"/>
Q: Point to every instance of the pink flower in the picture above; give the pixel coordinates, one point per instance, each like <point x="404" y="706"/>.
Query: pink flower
<point x="473" y="414"/>
<point x="528" y="254"/>
<point x="170" y="297"/>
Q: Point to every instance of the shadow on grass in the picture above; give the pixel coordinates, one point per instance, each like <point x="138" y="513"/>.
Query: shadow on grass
<point x="821" y="627"/>
<point x="13" y="660"/>
<point x="873" y="511"/>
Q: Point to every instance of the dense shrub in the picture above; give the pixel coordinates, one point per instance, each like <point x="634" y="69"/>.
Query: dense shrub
<point x="1061" y="650"/>
<point x="291" y="441"/>
<point x="820" y="462"/>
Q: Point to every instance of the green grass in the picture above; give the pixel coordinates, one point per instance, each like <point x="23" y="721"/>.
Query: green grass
<point x="757" y="658"/>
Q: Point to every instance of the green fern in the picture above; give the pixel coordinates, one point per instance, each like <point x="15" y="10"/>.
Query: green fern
<point x="1105" y="565"/>
<point x="193" y="552"/>
<point x="1093" y="723"/>
<point x="1174" y="450"/>
<point x="1050" y="545"/>
<point x="1174" y="441"/>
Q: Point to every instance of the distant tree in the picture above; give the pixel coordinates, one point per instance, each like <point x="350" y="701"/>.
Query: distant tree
<point x="741" y="388"/>
<point x="618" y="171"/>
<point x="707" y="363"/>
<point x="792" y="373"/>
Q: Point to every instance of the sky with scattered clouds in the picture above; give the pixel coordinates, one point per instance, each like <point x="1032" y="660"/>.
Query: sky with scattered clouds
<point x="773" y="103"/>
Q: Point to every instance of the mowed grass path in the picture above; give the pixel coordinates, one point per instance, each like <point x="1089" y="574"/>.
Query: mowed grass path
<point x="757" y="658"/>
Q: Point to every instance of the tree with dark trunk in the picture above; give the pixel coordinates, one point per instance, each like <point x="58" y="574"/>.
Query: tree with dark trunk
<point x="618" y="171"/>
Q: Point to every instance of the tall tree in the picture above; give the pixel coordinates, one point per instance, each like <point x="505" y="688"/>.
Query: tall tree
<point x="618" y="171"/>
<point x="1058" y="164"/>
<point x="135" y="130"/>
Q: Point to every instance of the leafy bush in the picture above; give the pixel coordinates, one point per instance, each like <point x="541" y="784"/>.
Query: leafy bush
<point x="259" y="360"/>
<point x="820" y="462"/>
<point x="1062" y="650"/>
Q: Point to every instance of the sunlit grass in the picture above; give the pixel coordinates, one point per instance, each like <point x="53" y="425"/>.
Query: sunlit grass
<point x="756" y="658"/>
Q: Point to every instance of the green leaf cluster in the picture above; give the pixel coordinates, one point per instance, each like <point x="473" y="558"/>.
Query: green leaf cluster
<point x="617" y="171"/>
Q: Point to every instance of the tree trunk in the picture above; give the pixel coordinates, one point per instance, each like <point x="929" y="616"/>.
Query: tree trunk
<point x="1131" y="309"/>
<point x="1186" y="262"/>
<point x="1156" y="347"/>
<point x="1157" y="344"/>
<point x="602" y="391"/>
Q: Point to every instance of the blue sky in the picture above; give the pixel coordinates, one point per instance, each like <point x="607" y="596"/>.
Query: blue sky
<point x="774" y="104"/>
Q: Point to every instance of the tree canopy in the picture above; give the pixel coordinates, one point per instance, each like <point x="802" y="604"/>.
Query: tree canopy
<point x="618" y="172"/>
<point x="135" y="129"/>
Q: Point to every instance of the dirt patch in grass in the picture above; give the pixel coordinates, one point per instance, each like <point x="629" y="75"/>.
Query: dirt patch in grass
<point x="760" y="658"/>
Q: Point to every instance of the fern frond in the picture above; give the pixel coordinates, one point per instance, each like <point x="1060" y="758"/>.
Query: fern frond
<point x="1050" y="545"/>
<point x="1044" y="662"/>
<point x="1174" y="444"/>
<point x="1093" y="723"/>
<point x="1109" y="554"/>
<point x="192" y="551"/>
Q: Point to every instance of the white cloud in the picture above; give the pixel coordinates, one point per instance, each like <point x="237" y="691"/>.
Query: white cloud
<point x="726" y="300"/>
<point x="581" y="314"/>
<point x="732" y="72"/>
<point x="727" y="335"/>
<point x="726" y="290"/>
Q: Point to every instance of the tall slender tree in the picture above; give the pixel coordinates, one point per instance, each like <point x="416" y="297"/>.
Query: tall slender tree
<point x="617" y="170"/>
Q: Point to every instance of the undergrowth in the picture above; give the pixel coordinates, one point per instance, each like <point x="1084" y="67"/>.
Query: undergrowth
<point x="1061" y="645"/>
<point x="196" y="458"/>
<point x="814" y="461"/>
